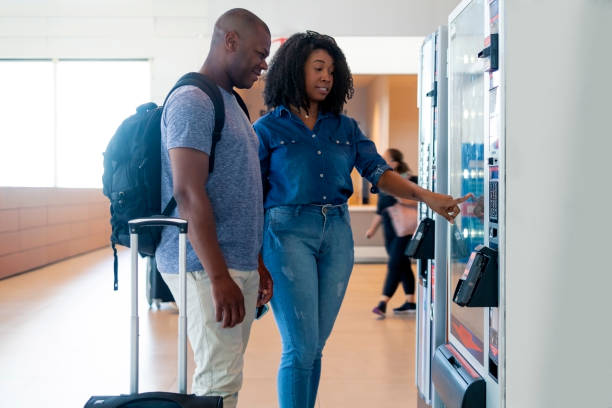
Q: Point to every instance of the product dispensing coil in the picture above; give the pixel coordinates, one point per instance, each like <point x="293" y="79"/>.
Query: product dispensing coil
<point x="479" y="285"/>
<point x="422" y="244"/>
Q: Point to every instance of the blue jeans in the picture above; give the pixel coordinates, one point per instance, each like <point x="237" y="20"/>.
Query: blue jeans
<point x="308" y="250"/>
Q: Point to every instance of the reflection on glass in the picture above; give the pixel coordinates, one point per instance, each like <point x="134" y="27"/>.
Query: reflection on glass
<point x="466" y="161"/>
<point x="494" y="334"/>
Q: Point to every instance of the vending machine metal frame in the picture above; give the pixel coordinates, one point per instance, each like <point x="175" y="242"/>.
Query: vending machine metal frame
<point x="431" y="279"/>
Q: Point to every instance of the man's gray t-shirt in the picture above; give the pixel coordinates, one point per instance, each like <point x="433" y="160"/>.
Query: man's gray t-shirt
<point x="234" y="187"/>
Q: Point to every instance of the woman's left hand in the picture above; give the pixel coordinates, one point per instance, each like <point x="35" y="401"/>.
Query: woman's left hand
<point x="446" y="205"/>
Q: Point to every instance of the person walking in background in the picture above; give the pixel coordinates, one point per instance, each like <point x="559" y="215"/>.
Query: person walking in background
<point x="307" y="151"/>
<point x="399" y="268"/>
<point x="224" y="211"/>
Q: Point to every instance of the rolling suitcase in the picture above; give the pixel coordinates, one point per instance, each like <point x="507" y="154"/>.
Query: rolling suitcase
<point x="157" y="399"/>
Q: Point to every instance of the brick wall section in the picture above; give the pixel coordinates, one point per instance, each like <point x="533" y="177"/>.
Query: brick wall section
<point x="39" y="226"/>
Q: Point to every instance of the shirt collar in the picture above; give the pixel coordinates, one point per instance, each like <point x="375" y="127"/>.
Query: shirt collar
<point x="281" y="110"/>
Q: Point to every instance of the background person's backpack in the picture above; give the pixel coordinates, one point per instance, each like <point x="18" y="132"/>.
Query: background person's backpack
<point x="132" y="167"/>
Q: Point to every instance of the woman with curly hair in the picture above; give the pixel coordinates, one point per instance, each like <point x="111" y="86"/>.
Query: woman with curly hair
<point x="307" y="152"/>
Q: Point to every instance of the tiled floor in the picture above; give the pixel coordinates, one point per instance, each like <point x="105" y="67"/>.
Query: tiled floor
<point x="64" y="336"/>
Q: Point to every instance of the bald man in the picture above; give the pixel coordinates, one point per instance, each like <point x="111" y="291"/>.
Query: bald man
<point x="224" y="280"/>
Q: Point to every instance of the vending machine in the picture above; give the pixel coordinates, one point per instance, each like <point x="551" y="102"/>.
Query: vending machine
<point x="472" y="292"/>
<point x="468" y="330"/>
<point x="428" y="246"/>
<point x="528" y="98"/>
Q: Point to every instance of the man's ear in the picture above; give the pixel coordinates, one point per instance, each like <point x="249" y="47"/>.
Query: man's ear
<point x="231" y="41"/>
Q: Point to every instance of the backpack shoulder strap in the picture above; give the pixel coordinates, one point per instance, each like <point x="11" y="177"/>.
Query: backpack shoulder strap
<point x="209" y="87"/>
<point x="242" y="104"/>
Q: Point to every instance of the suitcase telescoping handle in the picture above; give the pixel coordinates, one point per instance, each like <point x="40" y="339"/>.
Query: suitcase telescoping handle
<point x="135" y="226"/>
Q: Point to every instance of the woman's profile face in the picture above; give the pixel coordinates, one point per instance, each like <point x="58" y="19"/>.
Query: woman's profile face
<point x="318" y="75"/>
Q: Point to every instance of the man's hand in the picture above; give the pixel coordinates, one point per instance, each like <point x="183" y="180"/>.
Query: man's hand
<point x="446" y="205"/>
<point x="266" y="286"/>
<point x="229" y="302"/>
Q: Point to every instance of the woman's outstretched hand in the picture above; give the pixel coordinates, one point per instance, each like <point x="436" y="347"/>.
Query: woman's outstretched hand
<point x="446" y="205"/>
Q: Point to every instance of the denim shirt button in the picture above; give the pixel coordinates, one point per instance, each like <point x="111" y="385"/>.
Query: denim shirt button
<point x="337" y="141"/>
<point x="293" y="141"/>
<point x="321" y="175"/>
<point x="325" y="197"/>
<point x="282" y="142"/>
<point x="313" y="135"/>
<point x="319" y="152"/>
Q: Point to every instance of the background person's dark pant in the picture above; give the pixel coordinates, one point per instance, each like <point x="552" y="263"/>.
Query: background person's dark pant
<point x="399" y="268"/>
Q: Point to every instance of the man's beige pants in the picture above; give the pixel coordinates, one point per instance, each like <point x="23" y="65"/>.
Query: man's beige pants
<point x="218" y="352"/>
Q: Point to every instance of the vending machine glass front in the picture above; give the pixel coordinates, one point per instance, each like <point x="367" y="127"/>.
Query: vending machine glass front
<point x="466" y="163"/>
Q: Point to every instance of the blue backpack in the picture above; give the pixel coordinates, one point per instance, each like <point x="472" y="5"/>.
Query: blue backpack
<point x="132" y="167"/>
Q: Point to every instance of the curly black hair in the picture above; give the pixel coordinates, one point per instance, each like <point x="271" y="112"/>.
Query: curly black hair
<point x="285" y="77"/>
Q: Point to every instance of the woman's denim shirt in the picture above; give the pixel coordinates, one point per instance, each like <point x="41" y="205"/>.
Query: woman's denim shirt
<point x="303" y="166"/>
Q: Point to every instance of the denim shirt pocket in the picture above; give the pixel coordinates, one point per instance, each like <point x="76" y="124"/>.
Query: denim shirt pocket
<point x="286" y="154"/>
<point x="284" y="142"/>
<point x="342" y="146"/>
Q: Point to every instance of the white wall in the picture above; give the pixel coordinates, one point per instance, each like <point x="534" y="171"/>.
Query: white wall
<point x="347" y="17"/>
<point x="557" y="264"/>
<point x="175" y="34"/>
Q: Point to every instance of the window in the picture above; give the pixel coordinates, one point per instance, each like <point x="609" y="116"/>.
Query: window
<point x="27" y="125"/>
<point x="61" y="114"/>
